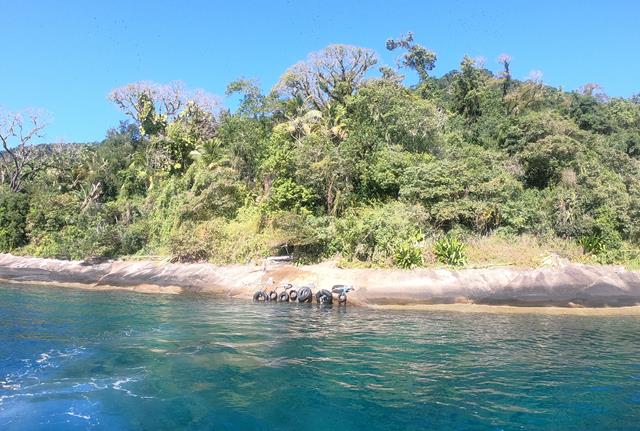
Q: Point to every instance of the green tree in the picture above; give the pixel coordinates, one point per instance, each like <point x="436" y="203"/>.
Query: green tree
<point x="416" y="57"/>
<point x="468" y="88"/>
<point x="13" y="219"/>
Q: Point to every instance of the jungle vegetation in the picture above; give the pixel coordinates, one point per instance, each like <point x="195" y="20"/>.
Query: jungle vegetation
<point x="341" y="159"/>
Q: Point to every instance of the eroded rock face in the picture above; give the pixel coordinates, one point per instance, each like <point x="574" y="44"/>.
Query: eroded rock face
<point x="564" y="285"/>
<point x="156" y="277"/>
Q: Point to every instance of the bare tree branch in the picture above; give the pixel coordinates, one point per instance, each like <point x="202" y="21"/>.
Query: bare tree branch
<point x="166" y="100"/>
<point x="18" y="161"/>
<point x="327" y="76"/>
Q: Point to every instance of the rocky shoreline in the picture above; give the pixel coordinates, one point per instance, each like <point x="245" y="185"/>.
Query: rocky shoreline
<point x="565" y="286"/>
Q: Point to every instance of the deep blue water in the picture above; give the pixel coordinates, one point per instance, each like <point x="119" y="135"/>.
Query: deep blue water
<point x="72" y="359"/>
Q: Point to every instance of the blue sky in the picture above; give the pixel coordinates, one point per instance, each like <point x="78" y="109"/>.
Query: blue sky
<point x="65" y="56"/>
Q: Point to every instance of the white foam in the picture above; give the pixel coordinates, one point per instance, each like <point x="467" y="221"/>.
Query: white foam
<point x="43" y="358"/>
<point x="73" y="413"/>
<point x="117" y="385"/>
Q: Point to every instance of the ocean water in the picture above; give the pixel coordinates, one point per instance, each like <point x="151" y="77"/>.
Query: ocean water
<point x="72" y="359"/>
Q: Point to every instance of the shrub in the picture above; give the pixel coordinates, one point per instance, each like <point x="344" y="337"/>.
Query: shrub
<point x="286" y="194"/>
<point x="68" y="243"/>
<point x="245" y="238"/>
<point x="376" y="234"/>
<point x="450" y="251"/>
<point x="468" y="191"/>
<point x="592" y="244"/>
<point x="195" y="242"/>
<point x="134" y="239"/>
<point x="408" y="256"/>
<point x="50" y="214"/>
<point x="214" y="192"/>
<point x="306" y="236"/>
<point x="100" y="240"/>
<point x="13" y="220"/>
<point x="604" y="242"/>
<point x="189" y="249"/>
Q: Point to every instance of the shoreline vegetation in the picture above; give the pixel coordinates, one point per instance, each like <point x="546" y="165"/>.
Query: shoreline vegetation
<point x="564" y="289"/>
<point x="344" y="159"/>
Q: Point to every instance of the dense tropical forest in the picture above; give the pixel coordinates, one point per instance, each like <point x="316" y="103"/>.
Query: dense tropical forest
<point x="340" y="160"/>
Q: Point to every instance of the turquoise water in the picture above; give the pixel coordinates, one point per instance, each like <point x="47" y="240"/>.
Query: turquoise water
<point x="73" y="359"/>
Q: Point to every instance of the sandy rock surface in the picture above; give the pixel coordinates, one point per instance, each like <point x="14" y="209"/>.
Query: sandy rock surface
<point x="566" y="285"/>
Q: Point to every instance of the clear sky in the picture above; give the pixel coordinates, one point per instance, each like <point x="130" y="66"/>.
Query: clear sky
<point x="65" y="56"/>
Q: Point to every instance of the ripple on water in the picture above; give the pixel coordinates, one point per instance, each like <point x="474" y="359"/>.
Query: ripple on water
<point x="75" y="360"/>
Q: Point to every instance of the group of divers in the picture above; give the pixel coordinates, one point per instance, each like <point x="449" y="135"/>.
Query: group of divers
<point x="303" y="294"/>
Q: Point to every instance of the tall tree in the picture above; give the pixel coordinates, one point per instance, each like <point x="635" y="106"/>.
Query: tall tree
<point x="505" y="61"/>
<point x="468" y="87"/>
<point x="153" y="106"/>
<point x="19" y="159"/>
<point x="252" y="102"/>
<point x="416" y="57"/>
<point x="328" y="76"/>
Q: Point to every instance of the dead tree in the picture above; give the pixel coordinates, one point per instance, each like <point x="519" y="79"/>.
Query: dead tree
<point x="19" y="159"/>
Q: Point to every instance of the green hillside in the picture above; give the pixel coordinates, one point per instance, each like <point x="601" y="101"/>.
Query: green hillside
<point x="340" y="160"/>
